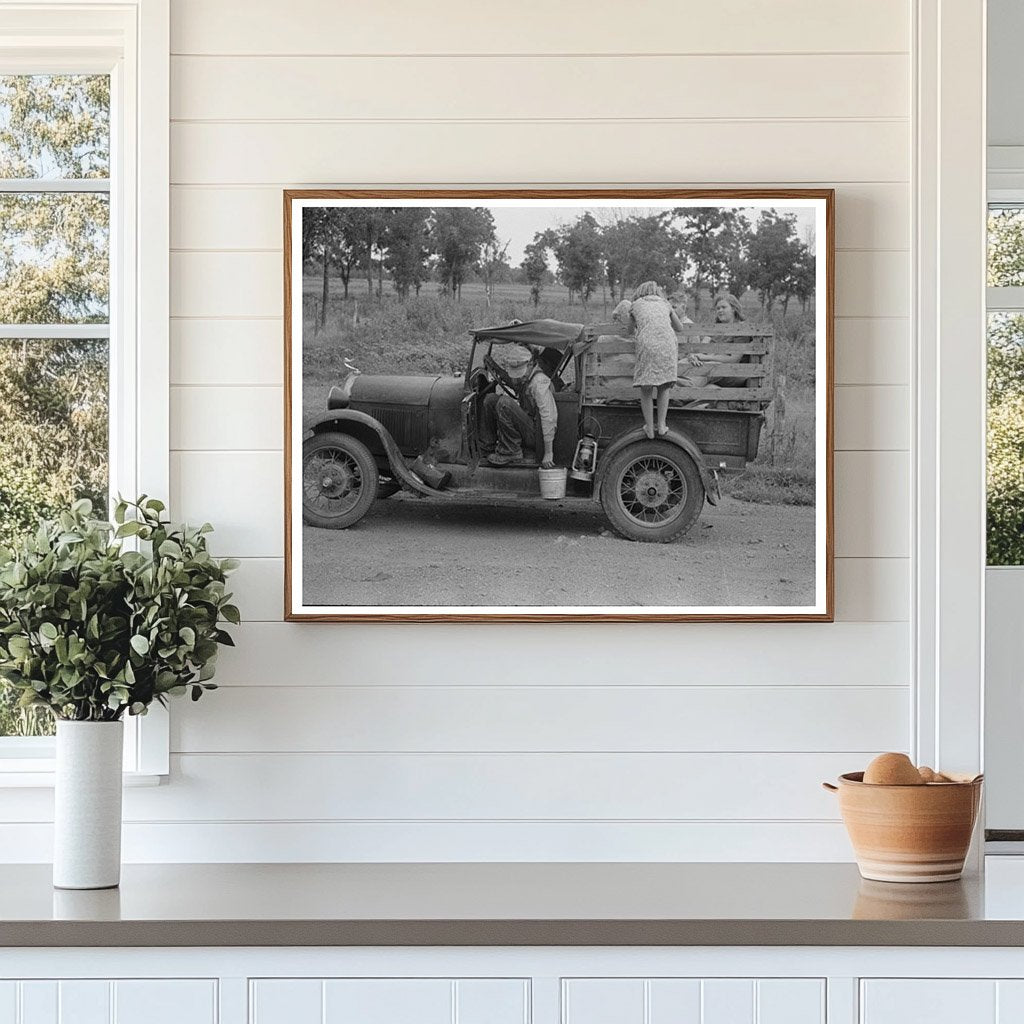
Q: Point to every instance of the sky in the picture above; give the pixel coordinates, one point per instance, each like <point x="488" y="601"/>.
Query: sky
<point x="518" y="224"/>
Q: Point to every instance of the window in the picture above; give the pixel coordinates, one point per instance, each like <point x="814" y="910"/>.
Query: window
<point x="54" y="308"/>
<point x="84" y="125"/>
<point x="1005" y="477"/>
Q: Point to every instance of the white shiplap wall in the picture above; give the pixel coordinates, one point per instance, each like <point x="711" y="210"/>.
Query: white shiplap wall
<point x="688" y="741"/>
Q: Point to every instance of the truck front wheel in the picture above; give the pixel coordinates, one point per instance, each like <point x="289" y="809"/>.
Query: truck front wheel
<point x="339" y="481"/>
<point x="652" y="492"/>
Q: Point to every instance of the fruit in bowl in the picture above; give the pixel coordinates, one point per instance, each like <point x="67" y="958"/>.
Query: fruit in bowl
<point x="893" y="770"/>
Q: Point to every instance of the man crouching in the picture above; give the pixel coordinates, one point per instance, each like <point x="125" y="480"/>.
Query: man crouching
<point x="507" y="422"/>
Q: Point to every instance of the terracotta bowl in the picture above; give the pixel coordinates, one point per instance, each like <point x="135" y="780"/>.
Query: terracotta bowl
<point x="909" y="833"/>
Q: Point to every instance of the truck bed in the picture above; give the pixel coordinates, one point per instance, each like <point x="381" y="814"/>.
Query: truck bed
<point x="608" y="366"/>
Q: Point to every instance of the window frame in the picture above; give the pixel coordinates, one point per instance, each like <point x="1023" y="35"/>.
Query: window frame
<point x="1002" y="299"/>
<point x="1002" y="713"/>
<point x="130" y="41"/>
<point x="1006" y="298"/>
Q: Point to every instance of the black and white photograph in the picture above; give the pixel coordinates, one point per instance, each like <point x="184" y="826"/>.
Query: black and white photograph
<point x="569" y="406"/>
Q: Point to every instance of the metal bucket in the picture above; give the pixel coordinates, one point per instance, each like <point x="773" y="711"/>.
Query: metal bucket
<point x="552" y="482"/>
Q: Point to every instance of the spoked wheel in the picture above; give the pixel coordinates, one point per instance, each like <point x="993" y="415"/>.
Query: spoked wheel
<point x="652" y="492"/>
<point x="339" y="481"/>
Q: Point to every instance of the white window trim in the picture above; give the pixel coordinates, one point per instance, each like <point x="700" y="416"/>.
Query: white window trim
<point x="1005" y="300"/>
<point x="949" y="443"/>
<point x="131" y="41"/>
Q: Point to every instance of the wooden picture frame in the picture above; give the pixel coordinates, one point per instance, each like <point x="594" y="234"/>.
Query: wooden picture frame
<point x="327" y="480"/>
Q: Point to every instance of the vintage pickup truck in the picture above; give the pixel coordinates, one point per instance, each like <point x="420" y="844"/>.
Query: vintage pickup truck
<point x="377" y="431"/>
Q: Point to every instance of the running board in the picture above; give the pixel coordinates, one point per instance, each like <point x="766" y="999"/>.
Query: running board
<point x="518" y="482"/>
<point x="513" y="479"/>
<point x="489" y="496"/>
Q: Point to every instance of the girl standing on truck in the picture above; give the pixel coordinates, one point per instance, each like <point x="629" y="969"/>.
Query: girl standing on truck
<point x="657" y="353"/>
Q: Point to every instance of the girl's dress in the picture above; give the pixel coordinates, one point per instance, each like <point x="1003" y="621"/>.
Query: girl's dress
<point x="657" y="348"/>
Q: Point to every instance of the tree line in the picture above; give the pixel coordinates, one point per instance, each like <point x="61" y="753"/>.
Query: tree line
<point x="697" y="249"/>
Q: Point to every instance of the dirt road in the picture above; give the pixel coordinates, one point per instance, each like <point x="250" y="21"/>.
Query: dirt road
<point x="413" y="552"/>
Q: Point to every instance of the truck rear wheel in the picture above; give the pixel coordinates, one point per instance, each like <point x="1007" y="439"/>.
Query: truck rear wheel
<point x="339" y="481"/>
<point x="652" y="492"/>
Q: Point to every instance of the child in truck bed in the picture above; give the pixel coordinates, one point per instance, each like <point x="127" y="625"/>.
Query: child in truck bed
<point x="657" y="352"/>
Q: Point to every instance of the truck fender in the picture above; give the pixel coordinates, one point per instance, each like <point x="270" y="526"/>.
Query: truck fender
<point x="707" y="476"/>
<point x="358" y="424"/>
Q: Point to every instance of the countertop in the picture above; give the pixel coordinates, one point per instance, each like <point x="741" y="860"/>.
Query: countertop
<point x="559" y="904"/>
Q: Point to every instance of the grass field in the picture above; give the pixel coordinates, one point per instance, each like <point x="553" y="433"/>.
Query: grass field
<point x="430" y="334"/>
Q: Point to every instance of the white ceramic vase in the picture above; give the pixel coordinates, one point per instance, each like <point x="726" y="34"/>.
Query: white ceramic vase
<point x="87" y="805"/>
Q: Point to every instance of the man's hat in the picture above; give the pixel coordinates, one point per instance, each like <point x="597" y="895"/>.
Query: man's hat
<point x="512" y="357"/>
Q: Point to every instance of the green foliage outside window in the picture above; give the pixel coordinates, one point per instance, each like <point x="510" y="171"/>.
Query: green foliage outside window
<point x="54" y="449"/>
<point x="1006" y="247"/>
<point x="1005" y="478"/>
<point x="1005" y="484"/>
<point x="54" y="269"/>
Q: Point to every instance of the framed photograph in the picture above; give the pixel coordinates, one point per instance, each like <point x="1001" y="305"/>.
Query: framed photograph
<point x="565" y="405"/>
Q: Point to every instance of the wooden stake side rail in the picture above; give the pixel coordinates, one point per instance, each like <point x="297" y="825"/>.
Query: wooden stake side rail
<point x="609" y="362"/>
<point x="626" y="392"/>
<point x="612" y="346"/>
<point x="606" y="367"/>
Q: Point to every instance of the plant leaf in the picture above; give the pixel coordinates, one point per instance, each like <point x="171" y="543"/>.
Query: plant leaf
<point x="18" y="646"/>
<point x="170" y="549"/>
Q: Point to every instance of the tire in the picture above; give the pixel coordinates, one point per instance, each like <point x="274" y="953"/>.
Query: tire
<point x="672" y="494"/>
<point x="339" y="481"/>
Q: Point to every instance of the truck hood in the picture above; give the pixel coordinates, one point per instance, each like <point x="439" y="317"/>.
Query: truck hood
<point x="387" y="390"/>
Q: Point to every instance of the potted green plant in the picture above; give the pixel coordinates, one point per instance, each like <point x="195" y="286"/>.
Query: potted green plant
<point x="99" y="620"/>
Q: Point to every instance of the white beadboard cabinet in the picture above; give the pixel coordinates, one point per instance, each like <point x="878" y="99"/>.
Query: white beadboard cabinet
<point x="513" y="985"/>
<point x="696" y="1000"/>
<point x="389" y="1001"/>
<point x="942" y="1001"/>
<point x="108" y="1001"/>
